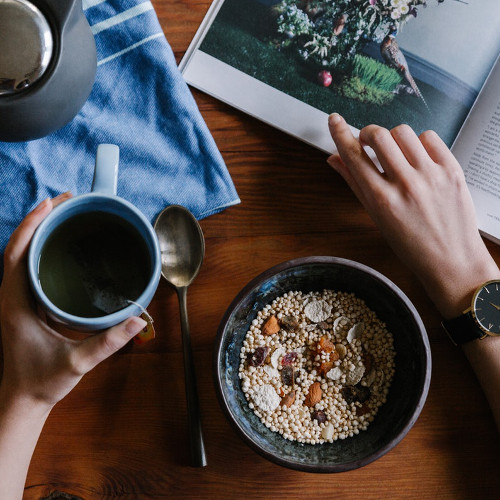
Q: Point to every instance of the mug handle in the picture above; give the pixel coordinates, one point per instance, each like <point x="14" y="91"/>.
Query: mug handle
<point x="106" y="169"/>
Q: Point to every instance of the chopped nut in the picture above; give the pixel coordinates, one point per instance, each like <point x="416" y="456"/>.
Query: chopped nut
<point x="340" y="323"/>
<point x="334" y="373"/>
<point x="288" y="399"/>
<point x="327" y="432"/>
<point x="271" y="326"/>
<point x="355" y="332"/>
<point x="355" y="375"/>
<point x="341" y="349"/>
<point x="314" y="395"/>
<point x="276" y="355"/>
<point x="305" y="383"/>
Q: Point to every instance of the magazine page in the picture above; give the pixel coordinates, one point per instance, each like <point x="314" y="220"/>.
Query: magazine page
<point x="477" y="148"/>
<point x="293" y="62"/>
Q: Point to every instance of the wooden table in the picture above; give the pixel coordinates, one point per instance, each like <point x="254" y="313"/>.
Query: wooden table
<point x="122" y="433"/>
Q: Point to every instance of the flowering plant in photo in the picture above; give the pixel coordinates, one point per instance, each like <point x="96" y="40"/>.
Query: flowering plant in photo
<point x="330" y="33"/>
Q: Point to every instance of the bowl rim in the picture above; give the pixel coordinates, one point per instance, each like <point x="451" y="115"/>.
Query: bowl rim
<point x="327" y="468"/>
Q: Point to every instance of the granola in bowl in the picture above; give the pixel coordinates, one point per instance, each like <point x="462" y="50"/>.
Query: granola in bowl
<point x="316" y="367"/>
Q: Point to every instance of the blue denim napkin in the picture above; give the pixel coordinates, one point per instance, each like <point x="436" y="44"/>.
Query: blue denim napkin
<point x="139" y="102"/>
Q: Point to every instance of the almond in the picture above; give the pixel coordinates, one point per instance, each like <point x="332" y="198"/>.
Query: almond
<point x="314" y="395"/>
<point x="288" y="400"/>
<point x="271" y="326"/>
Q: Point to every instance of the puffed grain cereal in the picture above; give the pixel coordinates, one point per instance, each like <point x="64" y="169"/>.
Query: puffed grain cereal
<point x="324" y="373"/>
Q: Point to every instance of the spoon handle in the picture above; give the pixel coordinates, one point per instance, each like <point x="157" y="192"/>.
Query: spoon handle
<point x="197" y="446"/>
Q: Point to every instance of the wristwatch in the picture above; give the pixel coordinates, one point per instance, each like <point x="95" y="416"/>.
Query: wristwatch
<point x="481" y="319"/>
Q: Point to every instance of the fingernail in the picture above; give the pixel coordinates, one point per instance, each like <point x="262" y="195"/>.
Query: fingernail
<point x="134" y="325"/>
<point x="63" y="196"/>
<point x="41" y="206"/>
<point x="334" y="119"/>
<point x="332" y="161"/>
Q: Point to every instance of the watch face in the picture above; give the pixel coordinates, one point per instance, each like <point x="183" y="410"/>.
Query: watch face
<point x="486" y="307"/>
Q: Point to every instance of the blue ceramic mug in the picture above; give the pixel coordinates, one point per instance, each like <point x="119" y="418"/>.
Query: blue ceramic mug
<point x="102" y="199"/>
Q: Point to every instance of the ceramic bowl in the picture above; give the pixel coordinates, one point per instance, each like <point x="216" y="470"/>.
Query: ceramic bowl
<point x="407" y="392"/>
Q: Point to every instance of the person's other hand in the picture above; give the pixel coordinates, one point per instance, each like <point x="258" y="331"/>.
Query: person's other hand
<point x="421" y="204"/>
<point x="40" y="364"/>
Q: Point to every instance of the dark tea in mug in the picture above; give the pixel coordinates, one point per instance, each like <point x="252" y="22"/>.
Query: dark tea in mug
<point x="93" y="264"/>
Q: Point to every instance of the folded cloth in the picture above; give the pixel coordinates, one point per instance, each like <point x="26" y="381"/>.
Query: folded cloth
<point x="139" y="102"/>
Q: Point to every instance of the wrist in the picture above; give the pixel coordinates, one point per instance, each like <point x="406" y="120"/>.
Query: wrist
<point x="23" y="404"/>
<point x="452" y="292"/>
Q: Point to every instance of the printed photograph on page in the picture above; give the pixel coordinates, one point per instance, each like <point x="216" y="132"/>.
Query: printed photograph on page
<point x="420" y="62"/>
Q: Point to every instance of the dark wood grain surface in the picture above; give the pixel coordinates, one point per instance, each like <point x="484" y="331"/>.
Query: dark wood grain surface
<point x="122" y="433"/>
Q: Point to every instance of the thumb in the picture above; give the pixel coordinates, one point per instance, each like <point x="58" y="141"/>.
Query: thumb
<point x="98" y="347"/>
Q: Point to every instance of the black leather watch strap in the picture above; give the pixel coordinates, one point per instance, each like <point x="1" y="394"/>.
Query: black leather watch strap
<point x="462" y="329"/>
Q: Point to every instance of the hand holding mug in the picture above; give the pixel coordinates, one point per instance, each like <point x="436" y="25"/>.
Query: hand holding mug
<point x="41" y="365"/>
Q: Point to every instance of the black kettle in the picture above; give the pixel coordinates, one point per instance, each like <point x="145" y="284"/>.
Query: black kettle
<point x="47" y="66"/>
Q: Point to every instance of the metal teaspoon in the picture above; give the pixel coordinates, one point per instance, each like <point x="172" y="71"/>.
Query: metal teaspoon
<point x="182" y="249"/>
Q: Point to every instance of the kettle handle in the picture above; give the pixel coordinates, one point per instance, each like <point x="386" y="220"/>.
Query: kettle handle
<point x="106" y="169"/>
<point x="61" y="10"/>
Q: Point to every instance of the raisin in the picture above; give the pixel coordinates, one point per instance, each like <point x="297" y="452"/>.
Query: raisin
<point x="289" y="358"/>
<point x="289" y="323"/>
<point x="363" y="410"/>
<point x="349" y="394"/>
<point x="363" y="393"/>
<point x="367" y="361"/>
<point x="353" y="393"/>
<point x="287" y="375"/>
<point x="258" y="357"/>
<point x="319" y="416"/>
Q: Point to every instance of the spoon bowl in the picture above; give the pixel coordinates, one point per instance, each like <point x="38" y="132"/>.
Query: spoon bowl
<point x="182" y="245"/>
<point x="182" y="250"/>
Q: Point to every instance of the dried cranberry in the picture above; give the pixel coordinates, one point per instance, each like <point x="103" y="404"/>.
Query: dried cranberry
<point x="289" y="358"/>
<point x="319" y="416"/>
<point x="287" y="375"/>
<point x="257" y="358"/>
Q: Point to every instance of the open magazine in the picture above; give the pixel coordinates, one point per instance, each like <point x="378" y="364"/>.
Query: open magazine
<point x="430" y="63"/>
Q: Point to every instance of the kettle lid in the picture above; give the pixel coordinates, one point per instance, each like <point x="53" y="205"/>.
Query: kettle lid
<point x="26" y="45"/>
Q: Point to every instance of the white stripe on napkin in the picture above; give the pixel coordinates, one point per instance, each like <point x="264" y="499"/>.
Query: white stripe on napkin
<point x="128" y="49"/>
<point x="122" y="17"/>
<point x="86" y="4"/>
